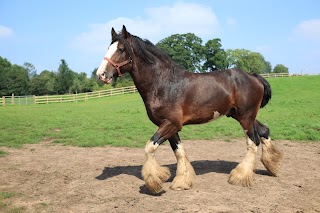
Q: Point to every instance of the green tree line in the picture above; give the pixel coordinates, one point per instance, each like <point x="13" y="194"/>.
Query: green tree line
<point x="185" y="49"/>
<point x="24" y="80"/>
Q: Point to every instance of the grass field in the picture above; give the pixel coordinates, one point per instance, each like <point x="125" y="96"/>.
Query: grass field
<point x="293" y="114"/>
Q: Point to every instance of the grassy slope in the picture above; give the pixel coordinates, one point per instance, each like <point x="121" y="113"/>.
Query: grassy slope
<point x="293" y="113"/>
<point x="295" y="109"/>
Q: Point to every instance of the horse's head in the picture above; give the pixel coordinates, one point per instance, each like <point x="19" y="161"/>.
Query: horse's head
<point x="118" y="57"/>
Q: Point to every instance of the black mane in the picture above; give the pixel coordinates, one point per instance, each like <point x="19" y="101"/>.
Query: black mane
<point x="146" y="50"/>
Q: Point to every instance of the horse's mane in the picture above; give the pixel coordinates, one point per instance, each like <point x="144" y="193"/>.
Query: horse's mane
<point x="147" y="50"/>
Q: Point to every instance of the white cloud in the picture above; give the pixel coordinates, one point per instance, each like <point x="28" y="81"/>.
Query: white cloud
<point x="160" y="22"/>
<point x="5" y="31"/>
<point x="264" y="49"/>
<point x="309" y="29"/>
<point x="184" y="18"/>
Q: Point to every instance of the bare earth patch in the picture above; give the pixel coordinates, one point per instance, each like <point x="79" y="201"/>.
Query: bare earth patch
<point x="54" y="178"/>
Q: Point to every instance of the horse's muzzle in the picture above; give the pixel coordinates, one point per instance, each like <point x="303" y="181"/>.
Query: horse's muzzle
<point x="105" y="79"/>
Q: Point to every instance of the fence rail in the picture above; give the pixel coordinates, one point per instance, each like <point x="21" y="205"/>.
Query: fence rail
<point x="274" y="75"/>
<point x="26" y="100"/>
<point x="2" y="101"/>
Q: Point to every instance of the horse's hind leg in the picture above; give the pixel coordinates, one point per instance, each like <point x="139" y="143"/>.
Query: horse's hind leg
<point x="185" y="174"/>
<point x="271" y="156"/>
<point x="243" y="173"/>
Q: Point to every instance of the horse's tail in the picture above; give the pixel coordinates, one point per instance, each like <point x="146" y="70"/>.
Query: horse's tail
<point x="267" y="90"/>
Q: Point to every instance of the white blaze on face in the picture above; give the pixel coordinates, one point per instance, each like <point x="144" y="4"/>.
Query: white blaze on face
<point x="112" y="49"/>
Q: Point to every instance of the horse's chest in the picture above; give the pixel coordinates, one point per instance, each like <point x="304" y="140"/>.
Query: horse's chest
<point x="157" y="110"/>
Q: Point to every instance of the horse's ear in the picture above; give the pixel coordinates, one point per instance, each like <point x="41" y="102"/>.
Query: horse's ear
<point x="124" y="32"/>
<point x="113" y="34"/>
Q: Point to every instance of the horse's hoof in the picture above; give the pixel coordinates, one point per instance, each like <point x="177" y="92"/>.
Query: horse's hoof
<point x="241" y="177"/>
<point x="154" y="186"/>
<point x="182" y="182"/>
<point x="154" y="177"/>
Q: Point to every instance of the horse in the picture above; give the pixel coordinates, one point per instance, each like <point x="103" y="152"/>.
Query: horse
<point x="174" y="97"/>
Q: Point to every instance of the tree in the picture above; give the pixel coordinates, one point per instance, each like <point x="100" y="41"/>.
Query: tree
<point x="94" y="74"/>
<point x="4" y="63"/>
<point x="185" y="49"/>
<point x="216" y="58"/>
<point x="82" y="84"/>
<point x="43" y="84"/>
<point x="64" y="78"/>
<point x="4" y="66"/>
<point x="251" y="62"/>
<point x="14" y="79"/>
<point x="268" y="68"/>
<point x="94" y="77"/>
<point x="89" y="85"/>
<point x="17" y="80"/>
<point x="32" y="71"/>
<point x="280" y="68"/>
<point x="235" y="57"/>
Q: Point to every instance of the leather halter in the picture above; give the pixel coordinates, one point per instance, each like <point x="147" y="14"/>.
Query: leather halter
<point x="117" y="66"/>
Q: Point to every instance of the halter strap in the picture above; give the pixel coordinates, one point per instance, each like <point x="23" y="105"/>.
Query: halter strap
<point x="117" y="66"/>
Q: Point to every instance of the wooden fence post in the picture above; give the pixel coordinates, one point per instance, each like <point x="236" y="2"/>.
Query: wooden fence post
<point x="3" y="101"/>
<point x="12" y="99"/>
<point x="34" y="99"/>
<point x="47" y="99"/>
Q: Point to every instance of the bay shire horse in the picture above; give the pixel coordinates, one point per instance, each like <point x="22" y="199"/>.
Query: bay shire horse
<point x="174" y="97"/>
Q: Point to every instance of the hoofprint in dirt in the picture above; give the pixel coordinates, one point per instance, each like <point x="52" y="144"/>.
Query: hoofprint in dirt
<point x="54" y="178"/>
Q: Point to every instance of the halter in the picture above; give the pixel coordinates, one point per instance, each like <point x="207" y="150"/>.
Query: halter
<point x="128" y="61"/>
<point x="117" y="66"/>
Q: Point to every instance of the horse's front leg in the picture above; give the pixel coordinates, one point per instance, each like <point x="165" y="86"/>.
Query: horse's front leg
<point x="185" y="174"/>
<point x="153" y="174"/>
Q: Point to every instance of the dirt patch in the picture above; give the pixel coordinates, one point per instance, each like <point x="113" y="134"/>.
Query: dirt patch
<point x="55" y="178"/>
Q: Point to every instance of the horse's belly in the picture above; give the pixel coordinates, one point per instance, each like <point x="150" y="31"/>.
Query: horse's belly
<point x="200" y="118"/>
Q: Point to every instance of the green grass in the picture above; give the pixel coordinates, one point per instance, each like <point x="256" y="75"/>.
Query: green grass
<point x="293" y="113"/>
<point x="3" y="153"/>
<point x="119" y="121"/>
<point x="5" y="204"/>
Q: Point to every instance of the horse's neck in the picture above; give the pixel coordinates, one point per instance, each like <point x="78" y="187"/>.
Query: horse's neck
<point x="144" y="84"/>
<point x="146" y="79"/>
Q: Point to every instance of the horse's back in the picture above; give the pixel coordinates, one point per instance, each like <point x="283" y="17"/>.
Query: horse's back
<point x="207" y="94"/>
<point x="220" y="84"/>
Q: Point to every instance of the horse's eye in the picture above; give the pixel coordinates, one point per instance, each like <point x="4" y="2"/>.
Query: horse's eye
<point x="121" y="49"/>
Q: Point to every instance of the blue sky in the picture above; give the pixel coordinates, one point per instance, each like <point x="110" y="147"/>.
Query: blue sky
<point x="43" y="32"/>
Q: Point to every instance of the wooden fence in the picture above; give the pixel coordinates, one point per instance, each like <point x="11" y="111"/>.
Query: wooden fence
<point x="274" y="75"/>
<point x="25" y="100"/>
<point x="17" y="100"/>
<point x="2" y="101"/>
